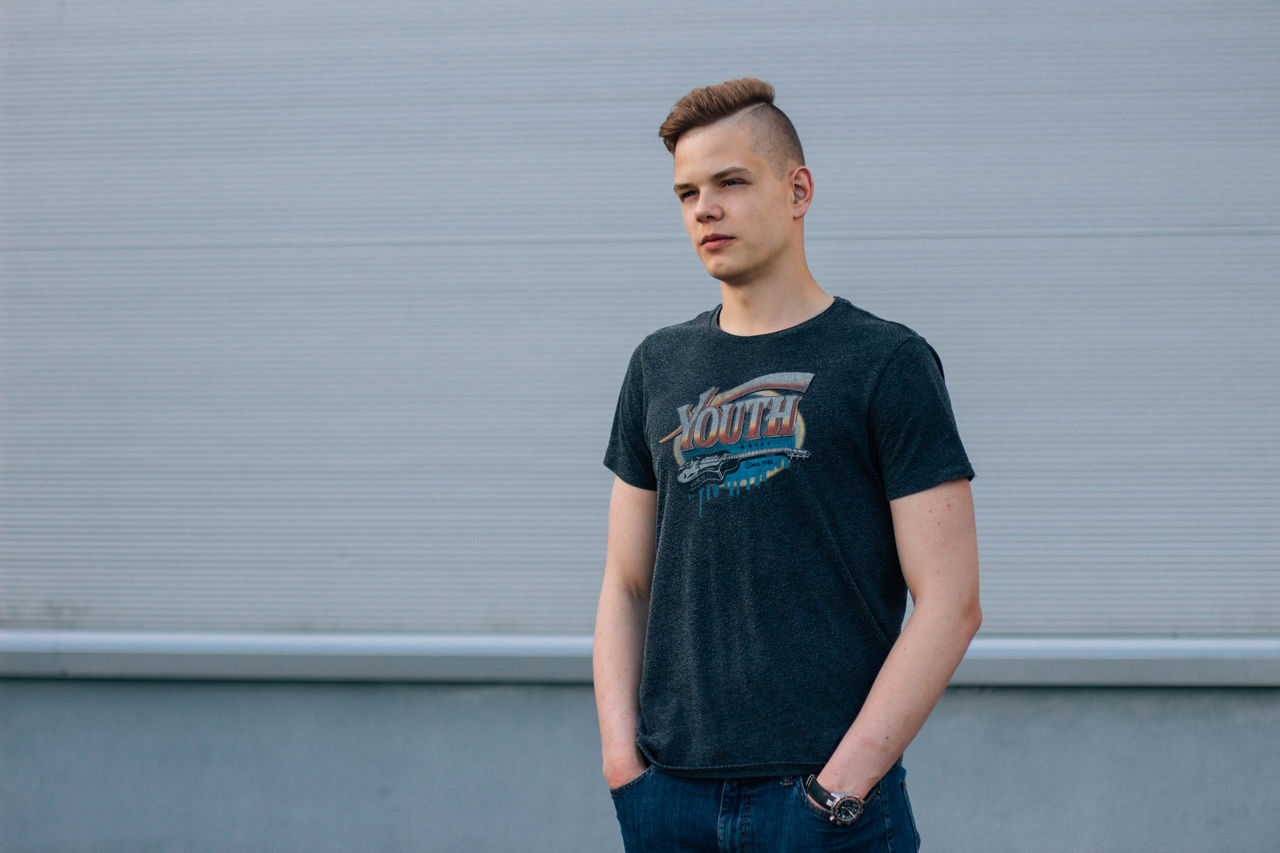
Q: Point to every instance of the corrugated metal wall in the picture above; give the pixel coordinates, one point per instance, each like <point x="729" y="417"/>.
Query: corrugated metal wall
<point x="312" y="315"/>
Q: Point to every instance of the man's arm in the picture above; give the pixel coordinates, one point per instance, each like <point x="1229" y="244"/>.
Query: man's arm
<point x="621" y="620"/>
<point x="938" y="548"/>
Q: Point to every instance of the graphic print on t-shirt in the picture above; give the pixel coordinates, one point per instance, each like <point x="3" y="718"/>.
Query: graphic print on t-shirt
<point x="729" y="441"/>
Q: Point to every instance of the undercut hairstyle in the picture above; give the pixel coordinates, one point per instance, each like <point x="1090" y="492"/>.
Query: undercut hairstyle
<point x="775" y="135"/>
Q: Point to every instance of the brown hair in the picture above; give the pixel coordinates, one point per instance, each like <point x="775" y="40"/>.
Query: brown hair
<point x="774" y="131"/>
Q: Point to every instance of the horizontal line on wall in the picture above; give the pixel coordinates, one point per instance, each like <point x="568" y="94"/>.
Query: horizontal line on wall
<point x="303" y="657"/>
<point x="1010" y="661"/>
<point x="1047" y="233"/>
<point x="1121" y="661"/>
<point x="565" y="239"/>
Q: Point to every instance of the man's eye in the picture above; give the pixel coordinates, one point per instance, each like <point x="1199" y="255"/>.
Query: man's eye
<point x="688" y="194"/>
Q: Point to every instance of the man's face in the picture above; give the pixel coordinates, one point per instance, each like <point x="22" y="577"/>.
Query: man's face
<point x="740" y="214"/>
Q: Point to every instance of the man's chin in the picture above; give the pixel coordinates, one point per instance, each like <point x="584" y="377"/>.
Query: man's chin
<point x="722" y="272"/>
<point x="729" y="278"/>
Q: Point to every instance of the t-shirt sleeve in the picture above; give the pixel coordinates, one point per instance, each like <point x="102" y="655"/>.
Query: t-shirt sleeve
<point x="628" y="453"/>
<point x="912" y="425"/>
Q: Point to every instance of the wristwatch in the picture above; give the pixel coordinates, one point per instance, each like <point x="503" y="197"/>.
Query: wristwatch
<point x="841" y="809"/>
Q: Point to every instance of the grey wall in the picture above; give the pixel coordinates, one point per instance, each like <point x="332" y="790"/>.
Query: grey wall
<point x="133" y="767"/>
<point x="314" y="312"/>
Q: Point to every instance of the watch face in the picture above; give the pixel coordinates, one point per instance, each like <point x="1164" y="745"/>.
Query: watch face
<point x="847" y="809"/>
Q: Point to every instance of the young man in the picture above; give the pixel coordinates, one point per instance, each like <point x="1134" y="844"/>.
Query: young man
<point x="787" y="467"/>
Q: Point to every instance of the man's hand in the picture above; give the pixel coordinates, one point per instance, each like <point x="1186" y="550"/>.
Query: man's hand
<point x="622" y="769"/>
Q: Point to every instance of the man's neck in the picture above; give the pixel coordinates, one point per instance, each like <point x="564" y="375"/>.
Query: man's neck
<point x="764" y="307"/>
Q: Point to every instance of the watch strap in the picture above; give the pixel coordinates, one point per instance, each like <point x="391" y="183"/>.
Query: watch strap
<point x="841" y="809"/>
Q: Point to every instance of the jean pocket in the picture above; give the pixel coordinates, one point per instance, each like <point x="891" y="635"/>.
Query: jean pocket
<point x="906" y="801"/>
<point x="808" y="803"/>
<point x="626" y="786"/>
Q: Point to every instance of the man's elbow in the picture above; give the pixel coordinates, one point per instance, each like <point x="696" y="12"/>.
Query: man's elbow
<point x="962" y="615"/>
<point x="959" y="617"/>
<point x="971" y="618"/>
<point x="967" y="605"/>
<point x="967" y="610"/>
<point x="629" y="582"/>
<point x="639" y="591"/>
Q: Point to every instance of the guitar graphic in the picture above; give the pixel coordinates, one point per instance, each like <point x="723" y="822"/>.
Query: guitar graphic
<point x="714" y="467"/>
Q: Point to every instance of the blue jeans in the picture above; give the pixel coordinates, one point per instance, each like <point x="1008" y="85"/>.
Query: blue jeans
<point x="663" y="813"/>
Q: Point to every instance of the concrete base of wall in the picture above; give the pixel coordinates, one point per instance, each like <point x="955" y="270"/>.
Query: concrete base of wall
<point x="206" y="766"/>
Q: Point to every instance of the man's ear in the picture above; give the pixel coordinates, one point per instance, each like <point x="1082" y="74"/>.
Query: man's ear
<point x="801" y="191"/>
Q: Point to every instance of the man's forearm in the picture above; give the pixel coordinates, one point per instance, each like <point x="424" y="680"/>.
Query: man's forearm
<point x="617" y="658"/>
<point x="909" y="685"/>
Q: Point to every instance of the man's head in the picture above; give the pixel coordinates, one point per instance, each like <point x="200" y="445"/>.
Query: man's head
<point x="742" y="183"/>
<point x="773" y="135"/>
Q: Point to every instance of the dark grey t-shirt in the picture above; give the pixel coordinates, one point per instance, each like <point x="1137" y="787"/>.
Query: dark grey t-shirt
<point x="777" y="591"/>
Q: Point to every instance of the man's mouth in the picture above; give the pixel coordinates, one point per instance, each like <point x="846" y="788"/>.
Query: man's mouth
<point x="715" y="241"/>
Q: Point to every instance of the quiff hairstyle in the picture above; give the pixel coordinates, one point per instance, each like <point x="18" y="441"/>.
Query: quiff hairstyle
<point x="774" y="133"/>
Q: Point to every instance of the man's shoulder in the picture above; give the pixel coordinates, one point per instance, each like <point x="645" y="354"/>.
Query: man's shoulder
<point x="679" y="332"/>
<point x="872" y="332"/>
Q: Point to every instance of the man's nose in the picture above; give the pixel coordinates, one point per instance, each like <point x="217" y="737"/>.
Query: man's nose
<point x="707" y="208"/>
